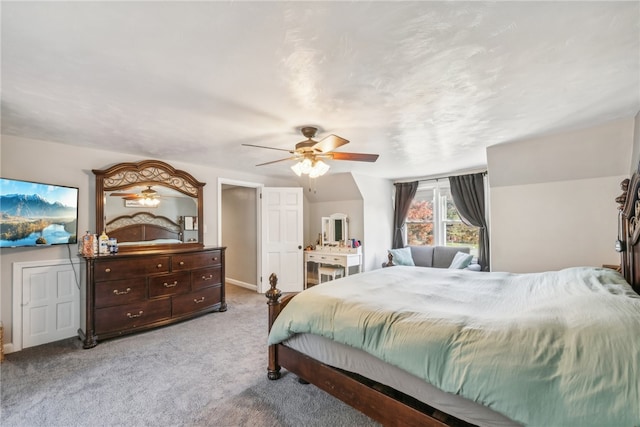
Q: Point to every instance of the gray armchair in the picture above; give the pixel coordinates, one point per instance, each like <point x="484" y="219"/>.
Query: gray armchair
<point x="436" y="256"/>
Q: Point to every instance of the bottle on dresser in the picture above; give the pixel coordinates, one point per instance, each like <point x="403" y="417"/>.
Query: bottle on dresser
<point x="89" y="245"/>
<point x="103" y="244"/>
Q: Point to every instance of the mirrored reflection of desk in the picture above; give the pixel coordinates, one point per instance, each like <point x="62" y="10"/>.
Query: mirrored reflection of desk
<point x="345" y="257"/>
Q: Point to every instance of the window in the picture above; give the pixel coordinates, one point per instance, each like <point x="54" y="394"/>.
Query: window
<point x="433" y="219"/>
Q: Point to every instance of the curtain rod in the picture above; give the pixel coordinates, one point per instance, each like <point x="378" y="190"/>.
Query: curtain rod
<point x="442" y="176"/>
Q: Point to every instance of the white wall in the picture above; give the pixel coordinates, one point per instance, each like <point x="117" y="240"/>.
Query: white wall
<point x="378" y="218"/>
<point x="552" y="198"/>
<point x="63" y="164"/>
<point x="555" y="225"/>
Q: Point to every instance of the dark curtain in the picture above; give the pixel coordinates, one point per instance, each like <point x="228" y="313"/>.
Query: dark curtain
<point x="405" y="191"/>
<point x="467" y="192"/>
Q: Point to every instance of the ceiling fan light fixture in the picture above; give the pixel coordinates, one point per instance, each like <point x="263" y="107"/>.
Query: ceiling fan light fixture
<point x="147" y="201"/>
<point x="306" y="166"/>
<point x="319" y="169"/>
<point x="296" y="169"/>
<point x="303" y="167"/>
<point x="313" y="168"/>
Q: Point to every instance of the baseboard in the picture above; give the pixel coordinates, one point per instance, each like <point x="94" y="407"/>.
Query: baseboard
<point x="241" y="284"/>
<point x="7" y="348"/>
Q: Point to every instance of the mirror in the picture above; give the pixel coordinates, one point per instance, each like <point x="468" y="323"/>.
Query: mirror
<point x="148" y="204"/>
<point x="334" y="229"/>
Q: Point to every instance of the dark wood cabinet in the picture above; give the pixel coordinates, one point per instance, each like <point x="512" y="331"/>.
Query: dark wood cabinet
<point x="136" y="291"/>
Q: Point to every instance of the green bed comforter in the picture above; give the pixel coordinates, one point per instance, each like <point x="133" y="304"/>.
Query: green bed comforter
<point x="545" y="349"/>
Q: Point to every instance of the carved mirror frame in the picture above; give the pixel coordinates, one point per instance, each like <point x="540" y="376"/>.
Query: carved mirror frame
<point x="145" y="173"/>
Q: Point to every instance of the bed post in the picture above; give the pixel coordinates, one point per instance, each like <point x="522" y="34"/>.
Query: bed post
<point x="273" y="295"/>
<point x="628" y="243"/>
<point x="623" y="229"/>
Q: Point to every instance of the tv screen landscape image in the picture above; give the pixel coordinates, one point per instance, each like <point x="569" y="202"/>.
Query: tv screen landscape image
<point x="35" y="214"/>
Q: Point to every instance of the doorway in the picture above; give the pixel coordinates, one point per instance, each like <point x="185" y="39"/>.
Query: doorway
<point x="239" y="231"/>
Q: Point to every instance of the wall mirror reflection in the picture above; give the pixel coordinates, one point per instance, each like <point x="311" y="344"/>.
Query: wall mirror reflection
<point x="148" y="203"/>
<point x="334" y="229"/>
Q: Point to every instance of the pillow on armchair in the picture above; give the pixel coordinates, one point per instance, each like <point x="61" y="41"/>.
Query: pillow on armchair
<point x="474" y="266"/>
<point x="402" y="256"/>
<point x="461" y="260"/>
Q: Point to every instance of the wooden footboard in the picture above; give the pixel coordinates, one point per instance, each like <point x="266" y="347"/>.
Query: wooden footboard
<point x="382" y="404"/>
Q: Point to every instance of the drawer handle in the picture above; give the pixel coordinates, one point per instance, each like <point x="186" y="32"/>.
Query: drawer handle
<point x="215" y="258"/>
<point x="207" y="278"/>
<point x="117" y="292"/>
<point x="170" y="285"/>
<point x="198" y="301"/>
<point x="107" y="270"/>
<point x="159" y="266"/>
<point x="133" y="316"/>
<point x="181" y="263"/>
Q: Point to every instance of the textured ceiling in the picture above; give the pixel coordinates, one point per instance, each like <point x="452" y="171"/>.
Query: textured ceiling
<point x="427" y="85"/>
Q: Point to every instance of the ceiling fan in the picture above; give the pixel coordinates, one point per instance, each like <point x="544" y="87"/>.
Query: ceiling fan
<point x="310" y="153"/>
<point x="148" y="196"/>
<point x="148" y="193"/>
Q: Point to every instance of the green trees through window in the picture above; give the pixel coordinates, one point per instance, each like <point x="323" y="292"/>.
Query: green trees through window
<point x="433" y="219"/>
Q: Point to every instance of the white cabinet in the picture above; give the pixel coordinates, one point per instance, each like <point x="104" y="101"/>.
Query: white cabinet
<point x="344" y="257"/>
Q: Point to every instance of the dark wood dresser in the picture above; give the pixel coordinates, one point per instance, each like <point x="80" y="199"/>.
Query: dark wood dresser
<point x="135" y="291"/>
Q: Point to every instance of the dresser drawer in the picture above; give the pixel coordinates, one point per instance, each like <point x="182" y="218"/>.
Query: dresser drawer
<point x="169" y="284"/>
<point x="325" y="259"/>
<point x="206" y="277"/>
<point x="131" y="316"/>
<point x="118" y="292"/>
<point x="112" y="269"/>
<point x="190" y="261"/>
<point x="196" y="301"/>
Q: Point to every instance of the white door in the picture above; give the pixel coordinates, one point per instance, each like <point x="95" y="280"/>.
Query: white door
<point x="50" y="304"/>
<point x="282" y="238"/>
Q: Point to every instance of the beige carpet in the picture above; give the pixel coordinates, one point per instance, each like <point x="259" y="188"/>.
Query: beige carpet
<point x="208" y="371"/>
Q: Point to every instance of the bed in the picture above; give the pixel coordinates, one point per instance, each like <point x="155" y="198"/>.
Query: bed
<point x="144" y="228"/>
<point x="429" y="347"/>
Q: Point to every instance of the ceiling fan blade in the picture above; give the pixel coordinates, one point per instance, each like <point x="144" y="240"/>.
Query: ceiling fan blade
<point x="355" y="157"/>
<point x="123" y="194"/>
<point x="270" y="148"/>
<point x="276" y="161"/>
<point x="330" y="143"/>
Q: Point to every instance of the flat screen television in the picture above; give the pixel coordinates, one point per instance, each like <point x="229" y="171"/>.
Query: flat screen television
<point x="37" y="214"/>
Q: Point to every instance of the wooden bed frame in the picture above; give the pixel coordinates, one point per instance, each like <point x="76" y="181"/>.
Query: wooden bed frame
<point x="392" y="408"/>
<point x="628" y="243"/>
<point x="143" y="227"/>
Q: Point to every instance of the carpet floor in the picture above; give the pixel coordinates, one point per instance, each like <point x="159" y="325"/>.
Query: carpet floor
<point x="208" y="371"/>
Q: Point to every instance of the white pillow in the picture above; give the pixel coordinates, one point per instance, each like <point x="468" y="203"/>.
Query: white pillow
<point x="402" y="256"/>
<point x="461" y="260"/>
